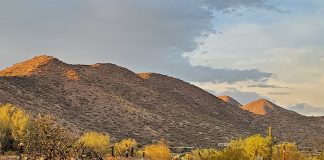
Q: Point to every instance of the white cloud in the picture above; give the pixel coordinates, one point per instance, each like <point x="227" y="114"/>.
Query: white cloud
<point x="288" y="45"/>
<point x="307" y="110"/>
<point x="322" y="59"/>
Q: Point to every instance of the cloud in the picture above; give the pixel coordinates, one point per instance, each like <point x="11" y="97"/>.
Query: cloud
<point x="285" y="44"/>
<point x="263" y="86"/>
<point x="206" y="74"/>
<point x="306" y="109"/>
<point x="141" y="35"/>
<point x="237" y="4"/>
<point x="279" y="93"/>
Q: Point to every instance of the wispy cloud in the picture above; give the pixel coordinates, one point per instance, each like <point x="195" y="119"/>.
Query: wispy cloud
<point x="264" y="86"/>
<point x="279" y="93"/>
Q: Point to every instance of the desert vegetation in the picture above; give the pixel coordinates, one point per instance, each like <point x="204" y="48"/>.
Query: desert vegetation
<point x="41" y="137"/>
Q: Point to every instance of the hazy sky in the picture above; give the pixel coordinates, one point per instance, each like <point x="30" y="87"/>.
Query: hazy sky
<point x="247" y="49"/>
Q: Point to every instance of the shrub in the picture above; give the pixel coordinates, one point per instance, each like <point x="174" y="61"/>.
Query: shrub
<point x="94" y="145"/>
<point x="252" y="148"/>
<point x="19" y="122"/>
<point x="287" y="151"/>
<point x="13" y="122"/>
<point x="257" y="146"/>
<point x="126" y="145"/>
<point x="158" y="151"/>
<point x="44" y="138"/>
<point x="235" y="151"/>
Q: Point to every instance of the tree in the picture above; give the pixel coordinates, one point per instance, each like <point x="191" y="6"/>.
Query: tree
<point x="5" y="115"/>
<point x="257" y="146"/>
<point x="94" y="145"/>
<point x="126" y="145"/>
<point x="158" y="151"/>
<point x="46" y="139"/>
<point x="13" y="122"/>
<point x="19" y="121"/>
<point x="6" y="140"/>
<point x="252" y="148"/>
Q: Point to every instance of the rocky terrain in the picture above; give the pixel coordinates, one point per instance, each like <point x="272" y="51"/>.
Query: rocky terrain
<point x="144" y="106"/>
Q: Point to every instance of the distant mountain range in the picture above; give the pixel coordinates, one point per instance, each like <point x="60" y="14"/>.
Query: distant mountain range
<point x="145" y="106"/>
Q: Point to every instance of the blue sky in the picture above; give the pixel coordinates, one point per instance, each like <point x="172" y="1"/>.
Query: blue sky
<point x="247" y="49"/>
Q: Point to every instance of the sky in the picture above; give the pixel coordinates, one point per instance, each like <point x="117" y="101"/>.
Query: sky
<point x="247" y="49"/>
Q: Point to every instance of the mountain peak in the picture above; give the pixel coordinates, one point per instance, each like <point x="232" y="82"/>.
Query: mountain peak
<point x="43" y="58"/>
<point x="29" y="67"/>
<point x="260" y="107"/>
<point x="229" y="100"/>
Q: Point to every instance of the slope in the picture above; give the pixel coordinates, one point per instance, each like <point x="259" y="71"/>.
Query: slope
<point x="109" y="98"/>
<point x="288" y="125"/>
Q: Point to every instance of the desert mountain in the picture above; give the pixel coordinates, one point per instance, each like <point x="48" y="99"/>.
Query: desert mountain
<point x="145" y="106"/>
<point x="291" y="125"/>
<point x="230" y="100"/>
<point x="113" y="99"/>
<point x="260" y="107"/>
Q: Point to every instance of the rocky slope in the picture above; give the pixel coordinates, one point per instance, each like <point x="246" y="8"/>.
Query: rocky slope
<point x="109" y="98"/>
<point x="144" y="106"/>
<point x="288" y="125"/>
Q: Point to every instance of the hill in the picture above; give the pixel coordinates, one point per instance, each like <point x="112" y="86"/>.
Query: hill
<point x="260" y="107"/>
<point x="146" y="106"/>
<point x="109" y="98"/>
<point x="291" y="126"/>
<point x="230" y="100"/>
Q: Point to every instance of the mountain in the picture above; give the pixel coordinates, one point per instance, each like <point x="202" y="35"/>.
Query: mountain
<point x="289" y="125"/>
<point x="113" y="99"/>
<point x="146" y="106"/>
<point x="260" y="107"/>
<point x="230" y="100"/>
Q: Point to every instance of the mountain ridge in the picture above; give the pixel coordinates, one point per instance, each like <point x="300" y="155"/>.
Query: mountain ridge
<point x="145" y="106"/>
<point x="113" y="99"/>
